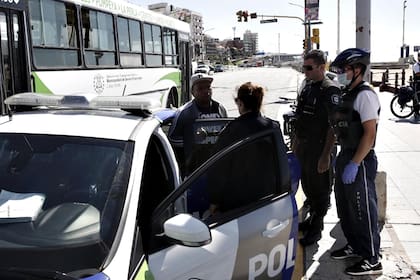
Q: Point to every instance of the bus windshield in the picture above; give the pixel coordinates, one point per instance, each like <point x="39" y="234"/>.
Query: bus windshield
<point x="61" y="197"/>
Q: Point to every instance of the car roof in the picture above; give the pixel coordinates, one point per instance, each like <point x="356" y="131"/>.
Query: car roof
<point x="118" y="125"/>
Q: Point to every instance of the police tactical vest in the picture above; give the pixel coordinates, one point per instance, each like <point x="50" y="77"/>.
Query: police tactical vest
<point x="311" y="111"/>
<point x="346" y="121"/>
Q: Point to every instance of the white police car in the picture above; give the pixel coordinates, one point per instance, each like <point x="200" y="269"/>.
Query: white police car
<point x="89" y="193"/>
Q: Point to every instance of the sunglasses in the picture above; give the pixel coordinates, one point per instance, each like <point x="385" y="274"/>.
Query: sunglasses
<point x="307" y="67"/>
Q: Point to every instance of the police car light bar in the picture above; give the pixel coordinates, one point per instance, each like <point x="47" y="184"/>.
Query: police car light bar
<point x="82" y="101"/>
<point x="125" y="102"/>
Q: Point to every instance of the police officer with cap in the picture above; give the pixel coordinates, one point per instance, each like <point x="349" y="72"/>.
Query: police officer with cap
<point x="314" y="142"/>
<point x="355" y="123"/>
<point x="202" y="106"/>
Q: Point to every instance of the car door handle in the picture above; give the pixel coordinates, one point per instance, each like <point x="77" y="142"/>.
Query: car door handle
<point x="273" y="231"/>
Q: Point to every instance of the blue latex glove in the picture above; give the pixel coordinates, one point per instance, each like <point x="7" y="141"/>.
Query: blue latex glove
<point x="350" y="172"/>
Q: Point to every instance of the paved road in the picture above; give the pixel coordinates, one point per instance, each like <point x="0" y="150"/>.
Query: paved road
<point x="278" y="82"/>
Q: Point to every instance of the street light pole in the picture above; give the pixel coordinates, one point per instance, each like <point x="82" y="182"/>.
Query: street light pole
<point x="203" y="43"/>
<point x="307" y="23"/>
<point x="403" y="39"/>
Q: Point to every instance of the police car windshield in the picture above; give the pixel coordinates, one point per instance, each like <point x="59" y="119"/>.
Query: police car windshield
<point x="61" y="197"/>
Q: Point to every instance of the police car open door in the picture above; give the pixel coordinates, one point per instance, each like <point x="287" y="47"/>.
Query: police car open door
<point x="235" y="217"/>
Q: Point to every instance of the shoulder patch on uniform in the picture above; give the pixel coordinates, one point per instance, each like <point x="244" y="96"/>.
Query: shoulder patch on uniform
<point x="335" y="99"/>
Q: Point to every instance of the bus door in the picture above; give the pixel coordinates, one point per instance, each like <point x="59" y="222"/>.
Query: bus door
<point x="185" y="67"/>
<point x="13" y="63"/>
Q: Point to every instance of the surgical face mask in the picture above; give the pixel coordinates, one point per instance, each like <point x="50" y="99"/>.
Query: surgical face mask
<point x="342" y="79"/>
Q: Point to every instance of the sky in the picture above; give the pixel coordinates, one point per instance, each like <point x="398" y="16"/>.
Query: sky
<point x="286" y="35"/>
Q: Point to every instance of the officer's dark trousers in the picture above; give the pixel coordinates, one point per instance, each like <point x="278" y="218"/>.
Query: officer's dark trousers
<point x="357" y="205"/>
<point x="316" y="186"/>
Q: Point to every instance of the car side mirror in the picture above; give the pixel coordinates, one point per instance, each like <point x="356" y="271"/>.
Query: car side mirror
<point x="187" y="230"/>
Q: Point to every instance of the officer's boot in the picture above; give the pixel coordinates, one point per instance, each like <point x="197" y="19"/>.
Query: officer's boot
<point x="306" y="216"/>
<point x="313" y="234"/>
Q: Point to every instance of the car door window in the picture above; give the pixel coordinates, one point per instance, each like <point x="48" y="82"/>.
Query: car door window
<point x="239" y="179"/>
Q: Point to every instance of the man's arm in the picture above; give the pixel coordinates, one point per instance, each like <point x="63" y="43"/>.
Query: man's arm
<point x="366" y="142"/>
<point x="332" y="94"/>
<point x="325" y="158"/>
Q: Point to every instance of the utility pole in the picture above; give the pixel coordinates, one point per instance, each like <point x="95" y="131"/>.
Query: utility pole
<point x="234" y="29"/>
<point x="363" y="24"/>
<point x="403" y="35"/>
<point x="363" y="28"/>
<point x="338" y="27"/>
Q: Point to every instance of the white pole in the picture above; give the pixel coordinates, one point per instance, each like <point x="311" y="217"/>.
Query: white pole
<point x="363" y="24"/>
<point x="338" y="27"/>
<point x="363" y="28"/>
<point x="279" y="42"/>
<point x="404" y="6"/>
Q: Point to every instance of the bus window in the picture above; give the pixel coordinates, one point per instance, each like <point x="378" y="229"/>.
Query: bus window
<point x="153" y="44"/>
<point x="129" y="42"/>
<point x="98" y="38"/>
<point x="171" y="52"/>
<point x="54" y="33"/>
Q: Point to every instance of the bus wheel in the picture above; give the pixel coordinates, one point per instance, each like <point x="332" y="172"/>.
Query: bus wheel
<point x="172" y="101"/>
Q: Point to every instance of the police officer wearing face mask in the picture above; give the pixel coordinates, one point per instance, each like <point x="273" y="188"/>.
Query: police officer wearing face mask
<point x="355" y="123"/>
<point x="314" y="142"/>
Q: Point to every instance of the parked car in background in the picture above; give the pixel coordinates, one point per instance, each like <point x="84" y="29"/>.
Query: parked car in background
<point x="219" y="68"/>
<point x="204" y="69"/>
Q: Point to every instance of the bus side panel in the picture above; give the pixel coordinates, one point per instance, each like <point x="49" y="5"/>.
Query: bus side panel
<point x="155" y="82"/>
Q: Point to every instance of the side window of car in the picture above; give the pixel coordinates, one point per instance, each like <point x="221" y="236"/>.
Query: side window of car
<point x="247" y="175"/>
<point x="238" y="179"/>
<point x="156" y="184"/>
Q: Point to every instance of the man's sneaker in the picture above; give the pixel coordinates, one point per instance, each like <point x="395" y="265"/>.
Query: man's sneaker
<point x="364" y="267"/>
<point x="344" y="253"/>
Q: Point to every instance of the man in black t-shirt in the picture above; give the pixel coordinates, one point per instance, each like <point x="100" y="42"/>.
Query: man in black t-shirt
<point x="181" y="133"/>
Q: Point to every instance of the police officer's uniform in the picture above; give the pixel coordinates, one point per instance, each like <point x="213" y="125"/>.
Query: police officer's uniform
<point x="314" y="103"/>
<point x="357" y="202"/>
<point x="181" y="133"/>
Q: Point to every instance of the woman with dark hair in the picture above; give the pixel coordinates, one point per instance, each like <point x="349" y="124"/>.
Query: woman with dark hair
<point x="250" y="184"/>
<point x="249" y="100"/>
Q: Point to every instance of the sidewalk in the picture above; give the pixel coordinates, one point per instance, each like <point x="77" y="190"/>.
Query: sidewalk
<point x="398" y="152"/>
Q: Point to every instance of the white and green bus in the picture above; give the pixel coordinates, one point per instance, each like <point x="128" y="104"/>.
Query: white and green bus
<point x="103" y="47"/>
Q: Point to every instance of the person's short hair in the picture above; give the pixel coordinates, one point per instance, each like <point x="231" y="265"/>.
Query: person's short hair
<point x="199" y="77"/>
<point x="317" y="56"/>
<point x="251" y="96"/>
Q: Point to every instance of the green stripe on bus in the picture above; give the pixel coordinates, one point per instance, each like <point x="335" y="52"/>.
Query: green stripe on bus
<point x="173" y="76"/>
<point x="40" y="87"/>
<point x="144" y="273"/>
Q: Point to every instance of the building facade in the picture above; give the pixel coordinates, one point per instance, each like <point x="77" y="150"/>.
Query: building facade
<point x="250" y="42"/>
<point x="195" y="20"/>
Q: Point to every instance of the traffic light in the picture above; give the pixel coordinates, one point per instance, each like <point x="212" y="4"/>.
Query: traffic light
<point x="239" y="14"/>
<point x="304" y="44"/>
<point x="315" y="37"/>
<point x="245" y="15"/>
<point x="253" y="15"/>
